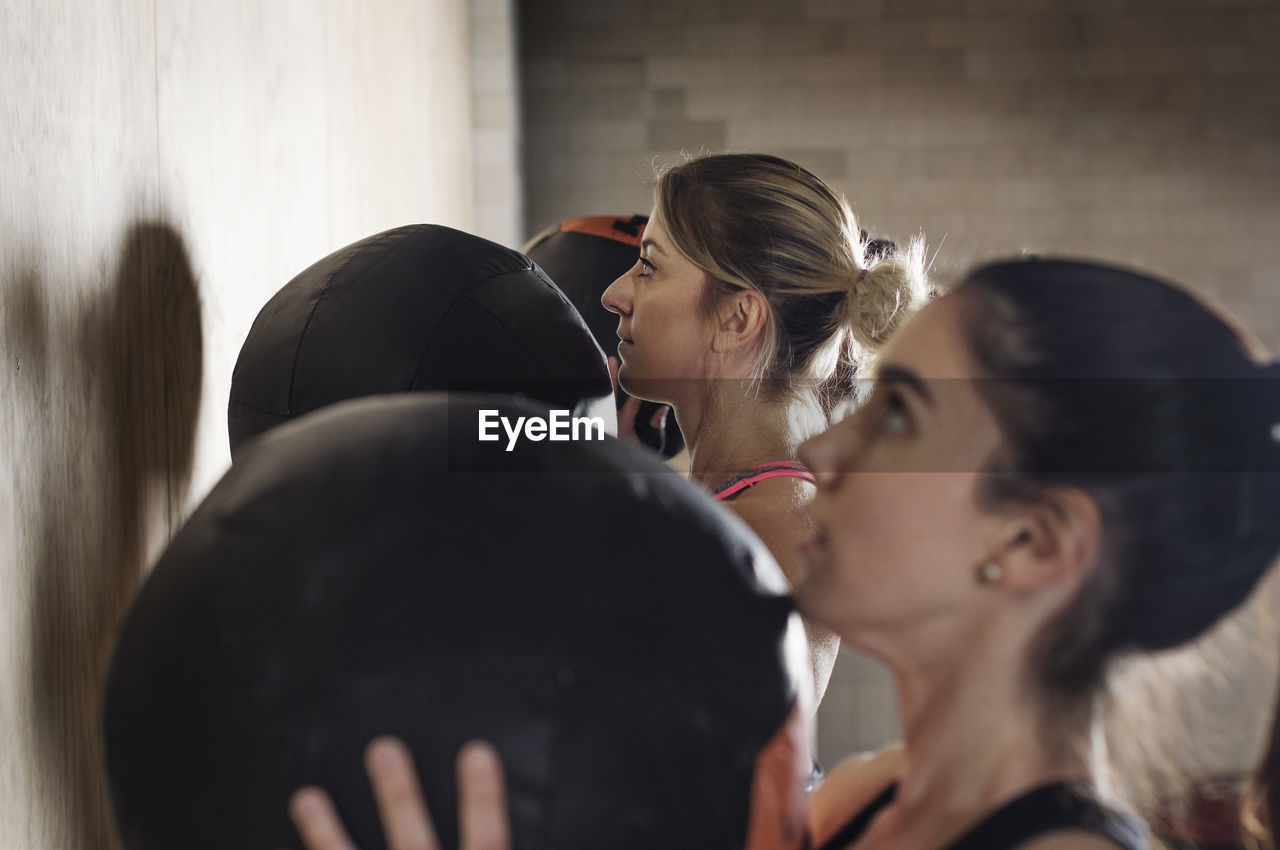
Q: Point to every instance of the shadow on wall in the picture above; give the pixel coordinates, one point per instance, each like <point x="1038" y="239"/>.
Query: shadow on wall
<point x="110" y="394"/>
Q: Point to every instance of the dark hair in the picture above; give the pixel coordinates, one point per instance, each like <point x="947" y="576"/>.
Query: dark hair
<point x="1137" y="393"/>
<point x="759" y="222"/>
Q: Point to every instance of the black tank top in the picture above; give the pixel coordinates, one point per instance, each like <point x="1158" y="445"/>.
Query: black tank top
<point x="1049" y="808"/>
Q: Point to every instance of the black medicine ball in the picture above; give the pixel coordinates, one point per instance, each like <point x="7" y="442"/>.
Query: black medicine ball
<point x="377" y="568"/>
<point x="422" y="307"/>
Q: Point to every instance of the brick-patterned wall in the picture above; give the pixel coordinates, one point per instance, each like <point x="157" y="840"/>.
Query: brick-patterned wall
<point x="1141" y="131"/>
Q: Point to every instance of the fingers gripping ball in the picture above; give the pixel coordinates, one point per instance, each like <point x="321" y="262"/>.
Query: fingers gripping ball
<point x="375" y="569"/>
<point x="583" y="256"/>
<point x="421" y="307"/>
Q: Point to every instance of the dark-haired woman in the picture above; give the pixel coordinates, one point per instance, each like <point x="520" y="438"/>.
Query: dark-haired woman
<point x="1060" y="464"/>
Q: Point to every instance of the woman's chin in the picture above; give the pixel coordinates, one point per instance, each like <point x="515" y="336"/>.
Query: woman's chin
<point x="634" y="385"/>
<point x="803" y="592"/>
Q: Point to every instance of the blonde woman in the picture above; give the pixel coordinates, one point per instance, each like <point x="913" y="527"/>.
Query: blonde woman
<point x="753" y="305"/>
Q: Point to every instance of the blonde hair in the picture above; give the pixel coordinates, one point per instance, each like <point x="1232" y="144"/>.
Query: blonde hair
<point x="759" y="222"/>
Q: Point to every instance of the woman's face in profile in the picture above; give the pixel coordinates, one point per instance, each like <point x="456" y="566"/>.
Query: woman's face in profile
<point x="662" y="330"/>
<point x="899" y="533"/>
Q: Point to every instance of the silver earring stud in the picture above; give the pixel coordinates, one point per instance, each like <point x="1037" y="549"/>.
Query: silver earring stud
<point x="990" y="573"/>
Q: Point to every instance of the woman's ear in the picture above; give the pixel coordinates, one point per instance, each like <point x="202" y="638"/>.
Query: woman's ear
<point x="741" y="318"/>
<point x="1056" y="539"/>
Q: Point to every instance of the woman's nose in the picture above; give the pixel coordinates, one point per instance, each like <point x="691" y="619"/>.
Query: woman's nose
<point x="617" y="298"/>
<point x="823" y="453"/>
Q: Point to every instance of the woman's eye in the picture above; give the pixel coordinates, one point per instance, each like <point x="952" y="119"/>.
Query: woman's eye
<point x="894" y="417"/>
<point x="646" y="268"/>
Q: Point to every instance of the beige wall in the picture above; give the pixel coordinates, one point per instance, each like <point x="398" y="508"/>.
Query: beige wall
<point x="1140" y="131"/>
<point x="165" y="167"/>
<point x="496" y="129"/>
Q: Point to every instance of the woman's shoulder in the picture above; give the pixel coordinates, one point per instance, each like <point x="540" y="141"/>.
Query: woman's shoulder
<point x="775" y="512"/>
<point x="778" y="503"/>
<point x="850" y="787"/>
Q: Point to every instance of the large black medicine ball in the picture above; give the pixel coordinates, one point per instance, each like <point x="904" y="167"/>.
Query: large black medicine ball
<point x="583" y="256"/>
<point x="422" y="307"/>
<point x="377" y="568"/>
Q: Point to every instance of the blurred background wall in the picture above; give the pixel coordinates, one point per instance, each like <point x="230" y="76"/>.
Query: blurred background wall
<point x="1145" y="132"/>
<point x="165" y="166"/>
<point x="498" y="190"/>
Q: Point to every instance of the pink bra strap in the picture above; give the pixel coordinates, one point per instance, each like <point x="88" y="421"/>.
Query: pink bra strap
<point x="761" y="472"/>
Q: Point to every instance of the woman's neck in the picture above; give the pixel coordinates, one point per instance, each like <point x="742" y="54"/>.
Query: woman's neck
<point x="973" y="739"/>
<point x="970" y="748"/>
<point x="729" y="432"/>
